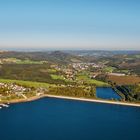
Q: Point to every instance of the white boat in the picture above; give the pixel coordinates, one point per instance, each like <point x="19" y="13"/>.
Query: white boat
<point x="4" y="105"/>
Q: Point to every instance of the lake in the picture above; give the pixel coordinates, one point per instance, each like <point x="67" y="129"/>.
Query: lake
<point x="107" y="93"/>
<point x="60" y="119"/>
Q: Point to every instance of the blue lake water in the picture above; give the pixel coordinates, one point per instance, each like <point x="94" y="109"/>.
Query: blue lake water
<point x="107" y="93"/>
<point x="59" y="119"/>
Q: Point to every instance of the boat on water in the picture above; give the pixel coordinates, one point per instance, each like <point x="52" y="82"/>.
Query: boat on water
<point x="3" y="105"/>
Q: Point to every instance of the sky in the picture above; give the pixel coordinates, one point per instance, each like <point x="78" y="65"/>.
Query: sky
<point x="70" y="24"/>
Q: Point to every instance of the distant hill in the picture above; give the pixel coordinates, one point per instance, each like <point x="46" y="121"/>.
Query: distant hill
<point x="101" y="53"/>
<point x="52" y="56"/>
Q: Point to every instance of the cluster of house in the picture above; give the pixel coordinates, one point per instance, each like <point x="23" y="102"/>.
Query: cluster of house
<point x="13" y="88"/>
<point x="7" y="60"/>
<point x="53" y="66"/>
<point x="69" y="74"/>
<point x="20" y="90"/>
<point x="77" y="67"/>
<point x="84" y="66"/>
<point x="73" y="68"/>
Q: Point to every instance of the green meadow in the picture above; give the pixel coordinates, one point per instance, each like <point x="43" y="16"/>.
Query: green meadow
<point x="88" y="80"/>
<point x="27" y="83"/>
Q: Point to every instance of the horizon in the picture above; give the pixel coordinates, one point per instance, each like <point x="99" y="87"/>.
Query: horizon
<point x="66" y="49"/>
<point x="66" y="25"/>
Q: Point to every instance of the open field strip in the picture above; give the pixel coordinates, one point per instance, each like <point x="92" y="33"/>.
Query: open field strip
<point x="27" y="83"/>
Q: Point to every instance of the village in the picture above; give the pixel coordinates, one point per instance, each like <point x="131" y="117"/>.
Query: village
<point x="13" y="90"/>
<point x="91" y="69"/>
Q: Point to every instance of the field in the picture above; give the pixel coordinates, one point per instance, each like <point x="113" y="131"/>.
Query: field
<point x="56" y="77"/>
<point x="124" y="80"/>
<point x="27" y="83"/>
<point x="109" y="69"/>
<point x="28" y="62"/>
<point x="86" y="79"/>
<point x="30" y="72"/>
<point x="19" y="61"/>
<point x="138" y="56"/>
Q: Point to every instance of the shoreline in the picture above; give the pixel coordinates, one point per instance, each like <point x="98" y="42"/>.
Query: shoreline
<point x="95" y="100"/>
<point x="73" y="98"/>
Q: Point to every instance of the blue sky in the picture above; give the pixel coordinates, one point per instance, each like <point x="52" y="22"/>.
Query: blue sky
<point x="70" y="24"/>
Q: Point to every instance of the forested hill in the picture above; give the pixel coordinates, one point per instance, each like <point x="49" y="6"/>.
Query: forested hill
<point x="54" y="56"/>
